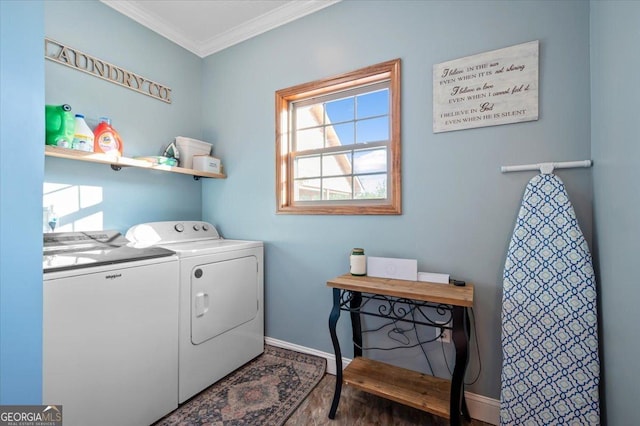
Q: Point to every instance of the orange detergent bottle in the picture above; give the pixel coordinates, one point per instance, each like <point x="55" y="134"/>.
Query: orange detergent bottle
<point x="107" y="139"/>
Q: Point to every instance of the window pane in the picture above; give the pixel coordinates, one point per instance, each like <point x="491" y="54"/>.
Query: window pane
<point x="309" y="116"/>
<point x="375" y="129"/>
<point x="370" y="187"/>
<point x="307" y="167"/>
<point x="338" y="188"/>
<point x="370" y="161"/>
<point x="336" y="144"/>
<point x="340" y="110"/>
<point x="309" y="139"/>
<point x="336" y="164"/>
<point x="340" y="134"/>
<point x="306" y="189"/>
<point x="372" y="104"/>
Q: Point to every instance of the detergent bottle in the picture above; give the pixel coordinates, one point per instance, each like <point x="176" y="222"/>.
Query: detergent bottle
<point x="59" y="125"/>
<point x="83" y="138"/>
<point x="107" y="139"/>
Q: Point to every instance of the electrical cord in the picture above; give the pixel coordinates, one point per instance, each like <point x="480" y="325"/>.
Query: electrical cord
<point x="475" y="334"/>
<point x="405" y="344"/>
<point x="426" y="357"/>
<point x="396" y="330"/>
<point x="444" y="356"/>
<point x="402" y="331"/>
<point x="367" y="348"/>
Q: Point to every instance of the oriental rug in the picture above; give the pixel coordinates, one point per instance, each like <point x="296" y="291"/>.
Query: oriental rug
<point x="265" y="391"/>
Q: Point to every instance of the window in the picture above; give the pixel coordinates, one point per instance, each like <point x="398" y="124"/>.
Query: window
<point x="338" y="144"/>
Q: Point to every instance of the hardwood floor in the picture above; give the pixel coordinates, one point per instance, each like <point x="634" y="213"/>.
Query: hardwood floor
<point x="358" y="408"/>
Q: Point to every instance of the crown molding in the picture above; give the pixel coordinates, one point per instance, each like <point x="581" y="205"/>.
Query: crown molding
<point x="139" y="15"/>
<point x="261" y="24"/>
<point x="268" y="21"/>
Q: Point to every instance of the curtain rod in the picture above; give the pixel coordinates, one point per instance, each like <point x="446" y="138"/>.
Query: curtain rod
<point x="546" y="168"/>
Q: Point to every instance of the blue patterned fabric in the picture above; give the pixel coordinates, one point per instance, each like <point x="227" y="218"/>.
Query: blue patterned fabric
<point x="551" y="369"/>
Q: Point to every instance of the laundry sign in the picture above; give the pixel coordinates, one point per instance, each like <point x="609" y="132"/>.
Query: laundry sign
<point x="488" y="89"/>
<point x="73" y="58"/>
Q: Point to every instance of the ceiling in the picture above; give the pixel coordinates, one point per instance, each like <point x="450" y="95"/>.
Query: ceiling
<point x="208" y="26"/>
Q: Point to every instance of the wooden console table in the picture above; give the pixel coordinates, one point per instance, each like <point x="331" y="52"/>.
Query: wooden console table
<point x="407" y="301"/>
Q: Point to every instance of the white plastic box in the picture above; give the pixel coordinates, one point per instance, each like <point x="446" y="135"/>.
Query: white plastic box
<point x="206" y="163"/>
<point x="389" y="267"/>
<point x="188" y="147"/>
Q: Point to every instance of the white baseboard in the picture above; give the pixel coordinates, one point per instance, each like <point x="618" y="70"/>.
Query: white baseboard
<point x="483" y="408"/>
<point x="331" y="358"/>
<point x="480" y="407"/>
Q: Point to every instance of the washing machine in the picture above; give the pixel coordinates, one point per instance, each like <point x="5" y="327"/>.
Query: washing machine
<point x="221" y="299"/>
<point x="110" y="329"/>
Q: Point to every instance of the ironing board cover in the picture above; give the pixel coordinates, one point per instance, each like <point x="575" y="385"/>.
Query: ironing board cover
<point x="550" y="370"/>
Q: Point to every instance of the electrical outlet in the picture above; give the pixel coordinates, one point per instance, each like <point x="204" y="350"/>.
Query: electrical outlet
<point x="443" y="335"/>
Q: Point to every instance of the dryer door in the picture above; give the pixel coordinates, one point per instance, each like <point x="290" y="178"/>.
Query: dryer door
<point x="224" y="295"/>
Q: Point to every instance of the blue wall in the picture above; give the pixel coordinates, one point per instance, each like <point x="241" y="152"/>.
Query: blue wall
<point x="125" y="198"/>
<point x="615" y="59"/>
<point x="146" y="125"/>
<point x="21" y="170"/>
<point x="458" y="209"/>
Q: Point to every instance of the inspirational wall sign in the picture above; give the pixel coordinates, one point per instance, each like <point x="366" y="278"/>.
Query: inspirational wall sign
<point x="488" y="89"/>
<point x="65" y="55"/>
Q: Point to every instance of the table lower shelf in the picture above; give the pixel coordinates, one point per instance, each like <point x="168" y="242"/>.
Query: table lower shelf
<point x="421" y="391"/>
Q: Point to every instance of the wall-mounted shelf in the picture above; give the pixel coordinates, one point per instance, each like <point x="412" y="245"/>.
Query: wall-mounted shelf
<point x="118" y="162"/>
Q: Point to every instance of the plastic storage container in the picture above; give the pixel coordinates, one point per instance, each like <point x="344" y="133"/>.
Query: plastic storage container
<point x="59" y="125"/>
<point x="206" y="163"/>
<point x="83" y="138"/>
<point x="188" y="147"/>
<point x="107" y="139"/>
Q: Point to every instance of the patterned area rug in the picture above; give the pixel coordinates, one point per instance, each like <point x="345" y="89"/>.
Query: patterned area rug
<point x="266" y="391"/>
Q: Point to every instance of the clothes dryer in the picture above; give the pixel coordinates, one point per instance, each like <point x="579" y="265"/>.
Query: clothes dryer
<point x="221" y="299"/>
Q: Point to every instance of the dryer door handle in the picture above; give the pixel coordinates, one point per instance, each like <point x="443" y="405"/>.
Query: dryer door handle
<point x="202" y="304"/>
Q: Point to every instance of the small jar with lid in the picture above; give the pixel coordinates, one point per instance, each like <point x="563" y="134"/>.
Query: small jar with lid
<point x="358" y="262"/>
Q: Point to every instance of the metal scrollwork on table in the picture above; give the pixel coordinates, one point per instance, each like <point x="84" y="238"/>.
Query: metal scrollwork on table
<point x="398" y="309"/>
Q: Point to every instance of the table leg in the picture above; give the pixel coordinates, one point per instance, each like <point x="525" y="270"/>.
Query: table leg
<point x="467" y="324"/>
<point x="333" y="320"/>
<point x="465" y="410"/>
<point x="460" y="337"/>
<point x="356" y="325"/>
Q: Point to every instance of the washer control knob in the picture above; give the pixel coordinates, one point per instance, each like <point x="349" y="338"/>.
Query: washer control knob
<point x="205" y="227"/>
<point x="198" y="273"/>
<point x="196" y="227"/>
<point x="179" y="227"/>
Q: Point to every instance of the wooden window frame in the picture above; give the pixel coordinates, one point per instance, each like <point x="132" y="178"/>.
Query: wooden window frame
<point x="392" y="205"/>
